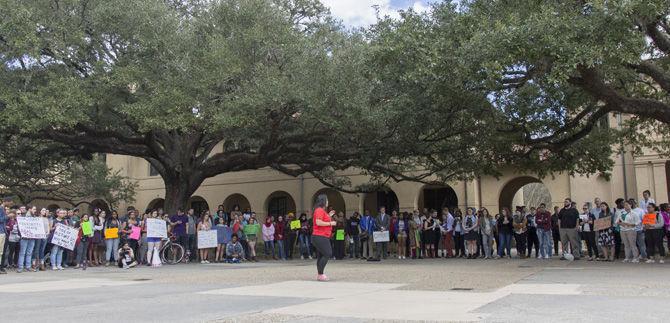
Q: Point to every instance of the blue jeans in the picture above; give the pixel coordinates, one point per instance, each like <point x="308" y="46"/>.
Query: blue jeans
<point x="282" y="254"/>
<point x="56" y="256"/>
<point x="269" y="247"/>
<point x="26" y="247"/>
<point x="112" y="249"/>
<point x="504" y="242"/>
<point x="40" y="248"/>
<point x="641" y="244"/>
<point x="304" y="244"/>
<point x="546" y="240"/>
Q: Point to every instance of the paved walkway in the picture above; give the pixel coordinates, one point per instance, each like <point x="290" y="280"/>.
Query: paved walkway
<point x="429" y="290"/>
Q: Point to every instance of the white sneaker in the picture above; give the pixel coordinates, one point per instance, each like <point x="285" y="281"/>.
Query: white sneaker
<point x="126" y="267"/>
<point x="626" y="260"/>
<point x="302" y="257"/>
<point x="60" y="267"/>
<point x="650" y="261"/>
<point x="547" y="257"/>
<point x="634" y="261"/>
<point x="310" y="258"/>
<point x="54" y="268"/>
<point x="661" y="261"/>
<point x="539" y="257"/>
<point x="202" y="262"/>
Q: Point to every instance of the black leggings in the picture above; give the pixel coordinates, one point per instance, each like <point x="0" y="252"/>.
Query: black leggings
<point x="654" y="241"/>
<point x="590" y="238"/>
<point x="323" y="252"/>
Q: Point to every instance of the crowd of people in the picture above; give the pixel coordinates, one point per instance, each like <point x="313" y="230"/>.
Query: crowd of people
<point x="637" y="229"/>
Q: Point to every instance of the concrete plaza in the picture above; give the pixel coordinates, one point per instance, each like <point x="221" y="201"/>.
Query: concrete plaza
<point x="393" y="290"/>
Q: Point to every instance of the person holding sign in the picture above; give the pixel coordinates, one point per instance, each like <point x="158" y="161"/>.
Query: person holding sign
<point x="56" y="250"/>
<point x="27" y="243"/>
<point x="654" y="225"/>
<point x="338" y="244"/>
<point x="293" y="226"/>
<point x="86" y="232"/>
<point x="112" y="225"/>
<point x="627" y="220"/>
<point x="321" y="232"/>
<point x="153" y="243"/>
<point x="606" y="236"/>
<point x="205" y="224"/>
<point x="251" y="230"/>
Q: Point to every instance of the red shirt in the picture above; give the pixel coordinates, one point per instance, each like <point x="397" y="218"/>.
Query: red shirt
<point x="324" y="231"/>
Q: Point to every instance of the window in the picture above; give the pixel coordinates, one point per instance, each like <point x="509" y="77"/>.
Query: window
<point x="278" y="206"/>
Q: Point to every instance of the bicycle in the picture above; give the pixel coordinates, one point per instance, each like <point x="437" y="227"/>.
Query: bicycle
<point x="171" y="253"/>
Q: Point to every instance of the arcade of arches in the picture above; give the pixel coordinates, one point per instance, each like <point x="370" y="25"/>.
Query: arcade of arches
<point x="265" y="191"/>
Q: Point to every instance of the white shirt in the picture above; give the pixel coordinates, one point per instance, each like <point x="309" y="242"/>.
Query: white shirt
<point x="643" y="203"/>
<point x="631" y="218"/>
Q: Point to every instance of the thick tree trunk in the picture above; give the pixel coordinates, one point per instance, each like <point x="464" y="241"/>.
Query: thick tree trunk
<point x="177" y="192"/>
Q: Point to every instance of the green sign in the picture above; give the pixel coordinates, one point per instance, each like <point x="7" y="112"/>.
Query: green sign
<point x="339" y="235"/>
<point x="87" y="228"/>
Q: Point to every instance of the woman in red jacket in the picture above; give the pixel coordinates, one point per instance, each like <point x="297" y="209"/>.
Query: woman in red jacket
<point x="321" y="232"/>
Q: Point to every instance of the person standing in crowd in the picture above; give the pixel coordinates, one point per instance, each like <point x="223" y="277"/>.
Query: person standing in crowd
<point x="112" y="243"/>
<point x="586" y="219"/>
<point x="448" y="233"/>
<point x="505" y="229"/>
<point x="618" y="241"/>
<point x="382" y="224"/>
<point x="269" y="238"/>
<point x="322" y="230"/>
<point x="82" y="246"/>
<point x="543" y="222"/>
<point x="191" y="226"/>
<point x="402" y="229"/>
<point x="646" y="200"/>
<point x="595" y="210"/>
<point x="532" y="238"/>
<point x="353" y="232"/>
<point x="654" y="225"/>
<point x="487" y="226"/>
<point x="555" y="230"/>
<point x="57" y="251"/>
<point x="220" y="246"/>
<point x="568" y="221"/>
<point x="205" y="224"/>
<point x="304" y="237"/>
<point x="26" y="246"/>
<point x="606" y="236"/>
<point x="414" y="234"/>
<point x="153" y="244"/>
<point x="251" y="231"/>
<point x="99" y="241"/>
<point x="665" y="212"/>
<point x="280" y="228"/>
<point x="6" y="203"/>
<point x="11" y="253"/>
<point x="459" y="234"/>
<point x="470" y="229"/>
<point x="41" y="244"/>
<point x="639" y="230"/>
<point x="393" y="235"/>
<point x="291" y="234"/>
<point x="520" y="225"/>
<point x="178" y="223"/>
<point x="627" y="220"/>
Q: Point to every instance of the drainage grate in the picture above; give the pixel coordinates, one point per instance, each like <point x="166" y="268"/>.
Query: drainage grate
<point x="461" y="288"/>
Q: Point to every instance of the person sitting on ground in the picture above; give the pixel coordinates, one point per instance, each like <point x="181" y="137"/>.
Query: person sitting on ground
<point x="234" y="251"/>
<point x="126" y="257"/>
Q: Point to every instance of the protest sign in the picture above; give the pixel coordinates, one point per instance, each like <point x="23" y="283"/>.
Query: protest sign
<point x="207" y="239"/>
<point x="223" y="234"/>
<point x="156" y="228"/>
<point x="112" y="233"/>
<point x="135" y="233"/>
<point x="252" y="229"/>
<point x="602" y="223"/>
<point x="65" y="236"/>
<point x="295" y="225"/>
<point x="31" y="228"/>
<point x="339" y="235"/>
<point x="87" y="228"/>
<point x="380" y="236"/>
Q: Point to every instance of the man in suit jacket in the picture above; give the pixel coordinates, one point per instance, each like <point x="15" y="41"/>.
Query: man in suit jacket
<point x="382" y="224"/>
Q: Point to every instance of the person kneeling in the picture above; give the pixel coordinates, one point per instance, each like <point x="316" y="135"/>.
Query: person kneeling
<point x="234" y="251"/>
<point x="126" y="257"/>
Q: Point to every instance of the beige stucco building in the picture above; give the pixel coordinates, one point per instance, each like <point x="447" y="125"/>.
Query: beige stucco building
<point x="268" y="192"/>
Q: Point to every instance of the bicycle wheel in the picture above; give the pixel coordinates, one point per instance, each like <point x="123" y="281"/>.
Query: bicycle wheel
<point x="172" y="254"/>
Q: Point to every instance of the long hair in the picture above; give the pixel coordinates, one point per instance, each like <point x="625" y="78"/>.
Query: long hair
<point x="321" y="201"/>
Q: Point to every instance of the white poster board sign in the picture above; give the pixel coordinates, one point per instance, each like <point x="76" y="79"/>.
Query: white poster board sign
<point x="65" y="236"/>
<point x="156" y="228"/>
<point x="31" y="228"/>
<point x="207" y="239"/>
<point x="380" y="236"/>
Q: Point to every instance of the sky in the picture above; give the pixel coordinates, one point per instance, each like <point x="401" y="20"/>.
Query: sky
<point x="360" y="13"/>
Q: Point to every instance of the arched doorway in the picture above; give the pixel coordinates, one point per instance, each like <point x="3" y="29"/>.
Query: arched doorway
<point x="433" y="197"/>
<point x="375" y="200"/>
<point x="279" y="203"/>
<point x="156" y="204"/>
<point x="98" y="205"/>
<point x="335" y="199"/>
<point x="524" y="191"/>
<point x="236" y="199"/>
<point x="198" y="204"/>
